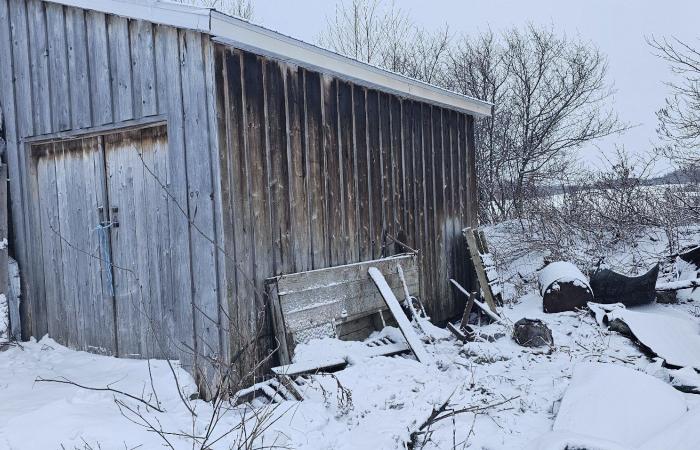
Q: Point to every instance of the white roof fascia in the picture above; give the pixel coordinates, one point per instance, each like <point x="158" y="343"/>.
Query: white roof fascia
<point x="164" y="13"/>
<point x="239" y="33"/>
<point x="242" y="34"/>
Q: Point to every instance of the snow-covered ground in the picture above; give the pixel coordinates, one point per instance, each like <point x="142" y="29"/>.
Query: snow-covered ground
<point x="510" y="394"/>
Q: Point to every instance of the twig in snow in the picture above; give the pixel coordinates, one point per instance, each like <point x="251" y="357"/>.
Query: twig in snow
<point x="104" y="389"/>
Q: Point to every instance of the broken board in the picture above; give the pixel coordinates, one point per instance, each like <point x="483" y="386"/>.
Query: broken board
<point x="404" y="325"/>
<point x="339" y="302"/>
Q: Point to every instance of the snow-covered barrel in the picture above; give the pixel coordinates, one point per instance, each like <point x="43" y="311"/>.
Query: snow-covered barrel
<point x="563" y="287"/>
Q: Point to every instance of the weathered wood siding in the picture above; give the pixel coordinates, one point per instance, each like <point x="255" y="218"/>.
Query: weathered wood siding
<point x="317" y="171"/>
<point x="65" y="69"/>
<point x="271" y="168"/>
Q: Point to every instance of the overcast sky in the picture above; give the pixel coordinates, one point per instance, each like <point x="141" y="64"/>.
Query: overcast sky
<point x="617" y="27"/>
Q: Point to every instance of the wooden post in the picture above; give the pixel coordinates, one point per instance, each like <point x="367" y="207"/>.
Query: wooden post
<point x="5" y="333"/>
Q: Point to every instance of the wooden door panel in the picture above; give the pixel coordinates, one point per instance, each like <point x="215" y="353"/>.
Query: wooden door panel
<point x="79" y="301"/>
<point x="137" y="173"/>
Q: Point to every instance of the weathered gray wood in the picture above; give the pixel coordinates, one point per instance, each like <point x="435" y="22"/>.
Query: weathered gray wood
<point x="332" y="173"/>
<point x="279" y="164"/>
<point x="313" y="132"/>
<point x="20" y="124"/>
<point x="78" y="68"/>
<point x="143" y="68"/>
<point x="486" y="309"/>
<point x="7" y="105"/>
<point x="320" y="278"/>
<point x="58" y="67"/>
<point x="258" y="174"/>
<point x="98" y="64"/>
<point x="4" y="247"/>
<point x="284" y="341"/>
<point x="347" y="172"/>
<point x="298" y="170"/>
<point x="120" y="68"/>
<point x="308" y="303"/>
<point x="331" y="364"/>
<point x="201" y="209"/>
<point x="404" y="325"/>
<point x="467" y="311"/>
<point x="39" y="51"/>
<point x="222" y="283"/>
<point x="51" y="245"/>
<point x="472" y="245"/>
<point x="169" y="93"/>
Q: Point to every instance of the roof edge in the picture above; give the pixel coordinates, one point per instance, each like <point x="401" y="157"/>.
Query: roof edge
<point x="240" y="33"/>
<point x="245" y="35"/>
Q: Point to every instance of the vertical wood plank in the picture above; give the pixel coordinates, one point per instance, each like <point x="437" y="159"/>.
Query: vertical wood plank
<point x="32" y="312"/>
<point x="362" y="178"/>
<point x="429" y="202"/>
<point x="38" y="47"/>
<point x="99" y="66"/>
<point x="51" y="246"/>
<point x="419" y="190"/>
<point x="397" y="178"/>
<point x="280" y="207"/>
<point x="297" y="162"/>
<point x="244" y="335"/>
<point x="143" y="68"/>
<point x="347" y="172"/>
<point x="316" y="186"/>
<point x="332" y="170"/>
<point x="213" y="89"/>
<point x="78" y="68"/>
<point x="170" y="102"/>
<point x="375" y="172"/>
<point x="120" y="68"/>
<point x="472" y="191"/>
<point x="201" y="215"/>
<point x="407" y="177"/>
<point x="259" y="177"/>
<point x="385" y="143"/>
<point x="58" y="67"/>
<point x="440" y="267"/>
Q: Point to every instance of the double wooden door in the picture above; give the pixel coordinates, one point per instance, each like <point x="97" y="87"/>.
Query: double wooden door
<point x="105" y="239"/>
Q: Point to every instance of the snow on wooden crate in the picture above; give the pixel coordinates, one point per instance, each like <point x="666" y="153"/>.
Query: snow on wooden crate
<point x="340" y="302"/>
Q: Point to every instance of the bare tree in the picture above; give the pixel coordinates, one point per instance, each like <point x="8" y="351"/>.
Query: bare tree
<point x="380" y="33"/>
<point x="679" y="119"/>
<point x="239" y="8"/>
<point x="551" y="98"/>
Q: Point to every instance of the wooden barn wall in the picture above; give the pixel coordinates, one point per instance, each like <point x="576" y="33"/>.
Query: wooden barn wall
<point x="64" y="69"/>
<point x="318" y="172"/>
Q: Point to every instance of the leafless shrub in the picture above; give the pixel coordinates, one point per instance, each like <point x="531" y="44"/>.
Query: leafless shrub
<point x="379" y="32"/>
<point x="239" y="8"/>
<point x="605" y="209"/>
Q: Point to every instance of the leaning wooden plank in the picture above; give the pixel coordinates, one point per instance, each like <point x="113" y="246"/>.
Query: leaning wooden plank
<point x="473" y="247"/>
<point x="278" y="323"/>
<point x="458" y="333"/>
<point x="290" y="387"/>
<point x="467" y="311"/>
<point x="486" y="309"/>
<point x="321" y="365"/>
<point x="339" y="363"/>
<point x="404" y="325"/>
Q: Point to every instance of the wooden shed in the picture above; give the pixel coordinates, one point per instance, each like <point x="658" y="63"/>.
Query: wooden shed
<point x="165" y="160"/>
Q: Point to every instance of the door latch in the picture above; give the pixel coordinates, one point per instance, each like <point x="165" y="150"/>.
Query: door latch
<point x="114" y="218"/>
